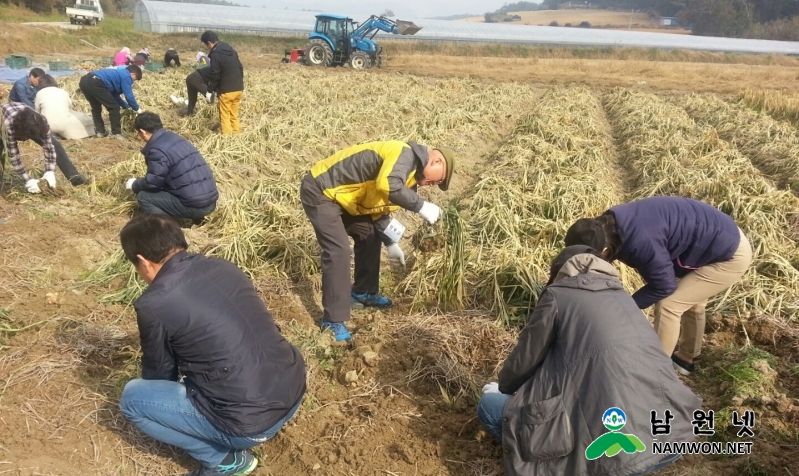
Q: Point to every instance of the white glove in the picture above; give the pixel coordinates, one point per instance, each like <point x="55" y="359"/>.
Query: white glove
<point x="129" y="183"/>
<point x="395" y="253"/>
<point x="33" y="186"/>
<point x="209" y="97"/>
<point x="430" y="212"/>
<point x="491" y="387"/>
<point x="139" y="111"/>
<point x="50" y="177"/>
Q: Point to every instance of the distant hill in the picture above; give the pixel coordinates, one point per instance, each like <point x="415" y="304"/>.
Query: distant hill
<point x="462" y="16"/>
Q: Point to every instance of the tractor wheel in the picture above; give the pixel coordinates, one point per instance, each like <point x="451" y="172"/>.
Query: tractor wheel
<point x="360" y="60"/>
<point x="379" y="61"/>
<point x="318" y="53"/>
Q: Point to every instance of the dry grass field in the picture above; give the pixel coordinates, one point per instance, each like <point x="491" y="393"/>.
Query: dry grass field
<point x="542" y="141"/>
<point x="637" y="21"/>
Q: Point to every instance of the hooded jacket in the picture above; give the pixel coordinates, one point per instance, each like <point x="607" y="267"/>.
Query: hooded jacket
<point x="227" y="72"/>
<point x="665" y="238"/>
<point x="23" y="91"/>
<point x="587" y="348"/>
<point x="174" y="165"/>
<point x="202" y="317"/>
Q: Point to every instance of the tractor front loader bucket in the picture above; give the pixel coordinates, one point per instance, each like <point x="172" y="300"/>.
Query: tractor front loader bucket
<point x="407" y="27"/>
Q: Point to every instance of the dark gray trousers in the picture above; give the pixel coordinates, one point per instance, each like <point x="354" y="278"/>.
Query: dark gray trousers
<point x="166" y="203"/>
<point x="333" y="226"/>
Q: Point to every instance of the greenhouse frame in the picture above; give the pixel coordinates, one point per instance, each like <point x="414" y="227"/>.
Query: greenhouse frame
<point x="175" y="17"/>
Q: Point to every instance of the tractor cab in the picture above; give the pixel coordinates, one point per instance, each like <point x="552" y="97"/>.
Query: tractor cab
<point x="336" y="29"/>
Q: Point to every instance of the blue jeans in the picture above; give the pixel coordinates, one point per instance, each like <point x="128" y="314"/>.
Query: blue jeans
<point x="489" y="411"/>
<point x="492" y="405"/>
<point x="161" y="409"/>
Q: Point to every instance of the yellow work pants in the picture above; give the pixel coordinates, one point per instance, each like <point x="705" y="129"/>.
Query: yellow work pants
<point x="229" y="112"/>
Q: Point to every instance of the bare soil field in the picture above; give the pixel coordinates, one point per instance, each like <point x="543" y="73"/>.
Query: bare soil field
<point x="532" y="134"/>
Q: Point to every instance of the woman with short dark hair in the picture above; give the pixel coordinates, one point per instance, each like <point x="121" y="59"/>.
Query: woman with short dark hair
<point x="21" y="123"/>
<point x="687" y="251"/>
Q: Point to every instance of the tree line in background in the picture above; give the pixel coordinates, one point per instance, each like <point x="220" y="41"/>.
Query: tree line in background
<point x="765" y="19"/>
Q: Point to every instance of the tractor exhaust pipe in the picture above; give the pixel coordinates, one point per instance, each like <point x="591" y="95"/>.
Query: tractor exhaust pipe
<point x="407" y="27"/>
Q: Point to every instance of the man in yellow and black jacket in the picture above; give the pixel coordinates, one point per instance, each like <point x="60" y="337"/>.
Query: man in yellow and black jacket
<point x="352" y="193"/>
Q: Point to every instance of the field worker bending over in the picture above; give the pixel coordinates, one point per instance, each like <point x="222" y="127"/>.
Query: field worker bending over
<point x="123" y="58"/>
<point x="687" y="252"/>
<point x="218" y="378"/>
<point x="104" y="88"/>
<point x="353" y="193"/>
<point x="179" y="182"/>
<point x="587" y="352"/>
<point x="21" y="123"/>
<point x="24" y="89"/>
<point x="171" y="56"/>
<point x="196" y="83"/>
<point x="55" y="104"/>
<point x="226" y="80"/>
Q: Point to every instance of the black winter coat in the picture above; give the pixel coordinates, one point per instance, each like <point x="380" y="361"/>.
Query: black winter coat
<point x="202" y="317"/>
<point x="174" y="165"/>
<point x="227" y="72"/>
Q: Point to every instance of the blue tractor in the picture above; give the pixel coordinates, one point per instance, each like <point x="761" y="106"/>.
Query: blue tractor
<point x="337" y="40"/>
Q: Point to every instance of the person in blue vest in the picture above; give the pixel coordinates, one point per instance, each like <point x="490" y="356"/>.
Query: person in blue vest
<point x="105" y="88"/>
<point x="24" y="89"/>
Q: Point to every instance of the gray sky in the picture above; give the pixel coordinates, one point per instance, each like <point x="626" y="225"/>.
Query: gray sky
<point x="401" y="8"/>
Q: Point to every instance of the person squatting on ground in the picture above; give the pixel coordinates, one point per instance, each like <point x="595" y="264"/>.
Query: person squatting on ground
<point x="178" y="182"/>
<point x="24" y="89"/>
<point x="171" y="56"/>
<point x="123" y="58"/>
<point x="226" y="80"/>
<point x="104" y="88"/>
<point x="55" y="105"/>
<point x="586" y="349"/>
<point x="196" y="83"/>
<point x="21" y="123"/>
<point x="687" y="252"/>
<point x="218" y="378"/>
<point x="352" y="193"/>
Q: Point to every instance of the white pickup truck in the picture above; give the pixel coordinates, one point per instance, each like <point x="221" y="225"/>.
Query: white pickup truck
<point x="85" y="11"/>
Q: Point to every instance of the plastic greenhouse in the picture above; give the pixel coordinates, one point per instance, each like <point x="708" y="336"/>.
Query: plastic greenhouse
<point x="168" y="17"/>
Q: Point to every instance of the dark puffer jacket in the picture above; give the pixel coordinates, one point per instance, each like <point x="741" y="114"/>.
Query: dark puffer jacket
<point x="587" y="348"/>
<point x="227" y="72"/>
<point x="176" y="166"/>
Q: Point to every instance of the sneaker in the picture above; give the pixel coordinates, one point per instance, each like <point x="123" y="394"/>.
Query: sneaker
<point x="339" y="330"/>
<point x="117" y="137"/>
<point x="243" y="463"/>
<point x="682" y="367"/>
<point x="359" y="301"/>
<point x="100" y="135"/>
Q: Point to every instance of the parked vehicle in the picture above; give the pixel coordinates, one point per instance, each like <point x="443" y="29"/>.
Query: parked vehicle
<point x="85" y="11"/>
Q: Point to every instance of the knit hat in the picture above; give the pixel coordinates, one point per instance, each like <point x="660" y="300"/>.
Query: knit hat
<point x="449" y="158"/>
<point x="568" y="253"/>
<point x="125" y="50"/>
<point x="586" y="231"/>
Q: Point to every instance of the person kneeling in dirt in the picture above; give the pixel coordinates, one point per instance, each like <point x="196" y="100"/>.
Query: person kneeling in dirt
<point x="21" y="123"/>
<point x="353" y="192"/>
<point x="218" y="378"/>
<point x="587" y="353"/>
<point x="178" y="182"/>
